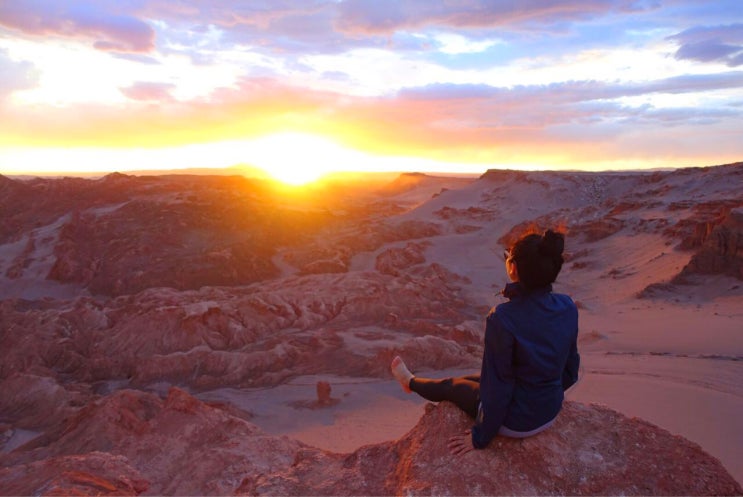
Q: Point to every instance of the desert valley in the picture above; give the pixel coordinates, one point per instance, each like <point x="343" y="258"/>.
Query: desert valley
<point x="194" y="334"/>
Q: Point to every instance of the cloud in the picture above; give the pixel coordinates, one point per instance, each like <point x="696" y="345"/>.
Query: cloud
<point x="736" y="60"/>
<point x="386" y="16"/>
<point x="685" y="116"/>
<point x="693" y="83"/>
<point x="457" y="123"/>
<point x="454" y="44"/>
<point x="295" y="27"/>
<point x="16" y="75"/>
<point x="480" y="116"/>
<point x="288" y="82"/>
<point x="96" y="21"/>
<point x="147" y="91"/>
<point x="576" y="91"/>
<point x="426" y="119"/>
<point x="723" y="44"/>
<point x="139" y="58"/>
<point x="285" y="27"/>
<point x="279" y="26"/>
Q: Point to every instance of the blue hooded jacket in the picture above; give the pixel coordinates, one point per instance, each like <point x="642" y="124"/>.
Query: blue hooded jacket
<point x="530" y="358"/>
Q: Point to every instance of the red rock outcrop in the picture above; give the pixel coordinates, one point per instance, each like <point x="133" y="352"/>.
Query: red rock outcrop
<point x="722" y="250"/>
<point x="252" y="336"/>
<point x="590" y="450"/>
<point x="705" y="216"/>
<point x="323" y="389"/>
<point x="174" y="446"/>
<point x="591" y="230"/>
<point x="391" y="261"/>
<point x="403" y="183"/>
<point x="122" y="234"/>
<point x="419" y="182"/>
<point x="325" y="266"/>
<point x="132" y="442"/>
<point x="599" y="229"/>
<point x="94" y="473"/>
<point x="38" y="202"/>
<point x="408" y="230"/>
<point x="29" y="401"/>
<point x="161" y="241"/>
<point x="470" y="213"/>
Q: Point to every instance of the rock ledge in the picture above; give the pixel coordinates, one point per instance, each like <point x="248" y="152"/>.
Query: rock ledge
<point x="132" y="442"/>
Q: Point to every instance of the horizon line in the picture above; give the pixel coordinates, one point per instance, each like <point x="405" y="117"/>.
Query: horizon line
<point x="258" y="173"/>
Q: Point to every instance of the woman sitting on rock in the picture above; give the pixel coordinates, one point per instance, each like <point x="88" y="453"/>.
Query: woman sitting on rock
<point x="530" y="356"/>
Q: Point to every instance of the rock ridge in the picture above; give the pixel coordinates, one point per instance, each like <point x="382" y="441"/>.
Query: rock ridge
<point x="131" y="442"/>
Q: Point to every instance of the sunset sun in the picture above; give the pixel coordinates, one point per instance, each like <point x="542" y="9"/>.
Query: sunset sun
<point x="298" y="158"/>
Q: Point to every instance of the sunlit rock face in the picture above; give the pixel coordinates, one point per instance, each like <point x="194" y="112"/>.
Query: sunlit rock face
<point x="391" y="261"/>
<point x="122" y="234"/>
<point x="178" y="234"/>
<point x="722" y="249"/>
<point x="132" y="442"/>
<point x="590" y="450"/>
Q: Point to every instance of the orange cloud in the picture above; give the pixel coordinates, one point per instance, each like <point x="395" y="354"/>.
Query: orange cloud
<point x="474" y="125"/>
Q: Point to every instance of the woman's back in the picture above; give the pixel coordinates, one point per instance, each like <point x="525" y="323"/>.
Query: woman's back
<point x="542" y="328"/>
<point x="544" y="325"/>
<point x="530" y="355"/>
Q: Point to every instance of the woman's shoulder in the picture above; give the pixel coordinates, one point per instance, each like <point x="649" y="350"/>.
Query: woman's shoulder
<point x="502" y="314"/>
<point x="509" y="312"/>
<point x="564" y="299"/>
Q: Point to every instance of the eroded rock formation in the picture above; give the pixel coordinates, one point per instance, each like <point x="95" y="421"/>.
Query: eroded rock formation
<point x="391" y="261"/>
<point x="132" y="442"/>
<point x="250" y="336"/>
<point x="722" y="250"/>
<point x="357" y="284"/>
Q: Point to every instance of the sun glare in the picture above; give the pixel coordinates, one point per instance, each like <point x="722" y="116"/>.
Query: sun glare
<point x="291" y="158"/>
<point x="298" y="158"/>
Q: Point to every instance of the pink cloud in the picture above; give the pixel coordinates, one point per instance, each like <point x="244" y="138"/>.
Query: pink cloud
<point x="386" y="16"/>
<point x="146" y="91"/>
<point x="98" y="22"/>
<point x="444" y="122"/>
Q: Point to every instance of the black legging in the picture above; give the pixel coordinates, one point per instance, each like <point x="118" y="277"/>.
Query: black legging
<point x="464" y="391"/>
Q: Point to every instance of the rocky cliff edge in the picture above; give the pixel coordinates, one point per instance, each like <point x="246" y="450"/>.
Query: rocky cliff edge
<point x="131" y="443"/>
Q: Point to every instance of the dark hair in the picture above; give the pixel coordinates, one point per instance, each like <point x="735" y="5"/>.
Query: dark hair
<point x="538" y="258"/>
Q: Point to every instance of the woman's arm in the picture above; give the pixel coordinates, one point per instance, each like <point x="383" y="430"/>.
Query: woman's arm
<point x="570" y="373"/>
<point x="496" y="382"/>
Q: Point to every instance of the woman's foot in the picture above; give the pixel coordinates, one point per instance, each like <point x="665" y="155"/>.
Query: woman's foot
<point x="401" y="373"/>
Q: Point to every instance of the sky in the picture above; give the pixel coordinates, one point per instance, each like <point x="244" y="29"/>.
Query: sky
<point x="299" y="88"/>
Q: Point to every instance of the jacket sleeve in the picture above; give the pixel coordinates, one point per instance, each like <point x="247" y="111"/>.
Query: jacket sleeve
<point x="496" y="382"/>
<point x="570" y="373"/>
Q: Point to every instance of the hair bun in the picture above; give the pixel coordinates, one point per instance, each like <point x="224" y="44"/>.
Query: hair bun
<point x="552" y="244"/>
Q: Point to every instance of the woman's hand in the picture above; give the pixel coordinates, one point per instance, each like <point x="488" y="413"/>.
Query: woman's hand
<point x="461" y="444"/>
